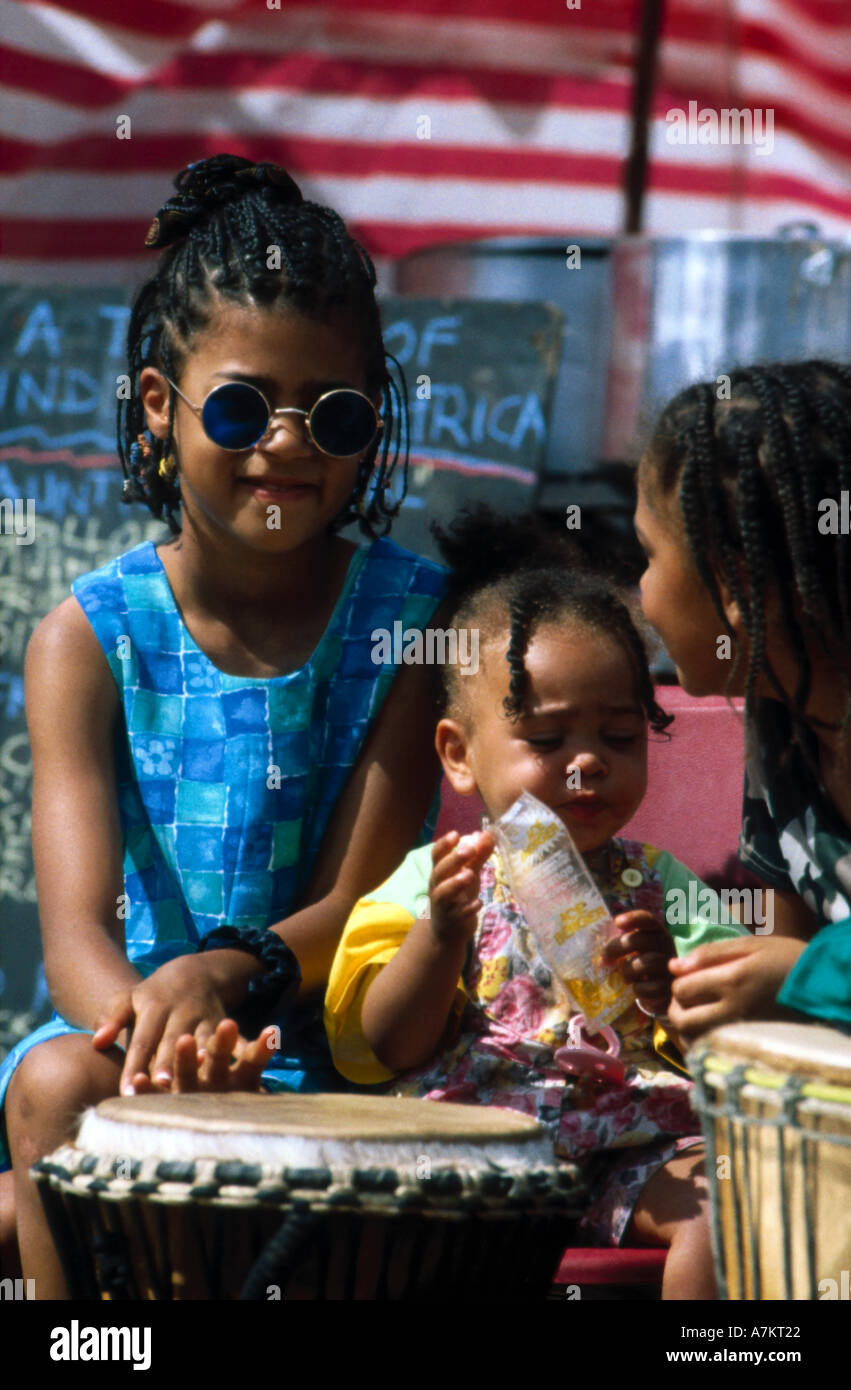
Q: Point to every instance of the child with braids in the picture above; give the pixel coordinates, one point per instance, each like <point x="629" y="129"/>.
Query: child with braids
<point x="216" y="755"/>
<point x="438" y="985"/>
<point x="740" y="513"/>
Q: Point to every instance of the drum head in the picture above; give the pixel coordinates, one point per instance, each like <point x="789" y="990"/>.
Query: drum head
<point x="313" y="1129"/>
<point x="341" y="1117"/>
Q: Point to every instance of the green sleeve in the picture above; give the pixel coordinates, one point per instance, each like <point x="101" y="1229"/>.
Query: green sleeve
<point x="407" y="886"/>
<point x="694" y="913"/>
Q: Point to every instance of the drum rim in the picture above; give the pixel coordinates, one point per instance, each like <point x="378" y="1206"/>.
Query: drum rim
<point x="771" y="1082"/>
<point x="799" y="1050"/>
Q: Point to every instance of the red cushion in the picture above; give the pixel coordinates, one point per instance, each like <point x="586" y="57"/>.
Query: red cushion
<point x="611" y="1266"/>
<point x="462" y="813"/>
<point x="693" y="805"/>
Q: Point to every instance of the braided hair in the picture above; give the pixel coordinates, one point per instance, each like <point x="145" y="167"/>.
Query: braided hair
<point x="749" y="472"/>
<point x="215" y="234"/>
<point x="515" y="573"/>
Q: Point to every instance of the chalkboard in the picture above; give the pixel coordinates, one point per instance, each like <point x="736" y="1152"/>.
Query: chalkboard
<point x="480" y="378"/>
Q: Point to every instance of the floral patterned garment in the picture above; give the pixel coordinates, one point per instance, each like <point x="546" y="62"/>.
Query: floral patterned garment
<point x="501" y="1051"/>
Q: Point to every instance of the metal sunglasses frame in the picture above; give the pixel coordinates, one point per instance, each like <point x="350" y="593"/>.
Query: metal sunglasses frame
<point x="282" y="410"/>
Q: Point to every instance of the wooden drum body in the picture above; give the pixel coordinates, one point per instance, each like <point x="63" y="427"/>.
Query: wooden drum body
<point x="775" y="1101"/>
<point x="307" y="1197"/>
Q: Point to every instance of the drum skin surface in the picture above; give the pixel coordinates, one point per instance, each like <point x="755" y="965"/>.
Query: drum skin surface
<point x="775" y="1103"/>
<point x="325" y="1116"/>
<point x="307" y="1197"/>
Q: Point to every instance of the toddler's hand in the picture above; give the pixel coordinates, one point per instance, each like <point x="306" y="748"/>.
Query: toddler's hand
<point x="454" y="884"/>
<point x="221" y="1066"/>
<point x="642" y="951"/>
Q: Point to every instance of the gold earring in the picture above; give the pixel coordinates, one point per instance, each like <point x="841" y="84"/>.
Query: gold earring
<point x="167" y="467"/>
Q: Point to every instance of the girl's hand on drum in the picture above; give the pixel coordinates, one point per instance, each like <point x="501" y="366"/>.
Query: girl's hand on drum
<point x="228" y="1063"/>
<point x="731" y="980"/>
<point x="454" y="884"/>
<point x="642" y="952"/>
<point x="191" y="994"/>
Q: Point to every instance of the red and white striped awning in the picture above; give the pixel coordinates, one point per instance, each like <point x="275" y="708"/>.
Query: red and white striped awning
<point x="420" y="120"/>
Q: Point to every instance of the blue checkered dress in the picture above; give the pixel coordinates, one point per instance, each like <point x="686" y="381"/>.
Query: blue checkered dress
<point x="226" y="783"/>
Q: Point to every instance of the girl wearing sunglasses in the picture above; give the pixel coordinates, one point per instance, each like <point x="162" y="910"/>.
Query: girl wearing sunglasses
<point x="216" y="756"/>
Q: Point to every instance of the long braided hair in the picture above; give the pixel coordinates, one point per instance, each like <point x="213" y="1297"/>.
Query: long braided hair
<point x="217" y="234"/>
<point x="751" y="470"/>
<point x="513" y="572"/>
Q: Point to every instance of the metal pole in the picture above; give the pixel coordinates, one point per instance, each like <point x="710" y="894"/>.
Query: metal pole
<point x="635" y="171"/>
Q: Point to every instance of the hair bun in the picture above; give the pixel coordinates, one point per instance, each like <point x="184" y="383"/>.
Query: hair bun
<point x="481" y="545"/>
<point x="210" y="183"/>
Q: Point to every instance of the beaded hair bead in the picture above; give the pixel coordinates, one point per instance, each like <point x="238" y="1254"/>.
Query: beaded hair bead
<point x="132" y="491"/>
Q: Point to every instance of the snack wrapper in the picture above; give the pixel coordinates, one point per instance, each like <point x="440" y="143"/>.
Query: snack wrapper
<point x="563" y="906"/>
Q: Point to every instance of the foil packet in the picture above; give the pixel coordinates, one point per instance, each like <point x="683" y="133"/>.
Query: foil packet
<point x="563" y="906"/>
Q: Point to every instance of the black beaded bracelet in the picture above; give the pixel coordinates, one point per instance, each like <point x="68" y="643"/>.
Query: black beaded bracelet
<point x="273" y="991"/>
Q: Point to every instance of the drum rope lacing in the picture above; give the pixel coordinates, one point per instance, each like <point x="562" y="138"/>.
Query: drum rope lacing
<point x="789" y="1097"/>
<point x="231" y="1182"/>
<point x="544" y="1200"/>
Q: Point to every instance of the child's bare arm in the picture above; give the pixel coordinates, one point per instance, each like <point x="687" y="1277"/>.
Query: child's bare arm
<point x="72" y="706"/>
<point x="407" y="1006"/>
<point x="790" y="915"/>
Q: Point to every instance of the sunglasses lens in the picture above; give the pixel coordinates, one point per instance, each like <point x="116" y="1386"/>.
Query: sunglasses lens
<point x="235" y="415"/>
<point x="343" y="423"/>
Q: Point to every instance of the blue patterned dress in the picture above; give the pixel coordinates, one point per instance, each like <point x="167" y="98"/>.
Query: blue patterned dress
<point x="226" y="784"/>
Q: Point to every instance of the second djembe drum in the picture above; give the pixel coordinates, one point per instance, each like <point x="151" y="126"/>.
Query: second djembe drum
<point x="775" y="1100"/>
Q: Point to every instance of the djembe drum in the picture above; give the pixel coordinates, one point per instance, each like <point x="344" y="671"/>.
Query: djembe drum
<point x="306" y="1197"/>
<point x="775" y="1101"/>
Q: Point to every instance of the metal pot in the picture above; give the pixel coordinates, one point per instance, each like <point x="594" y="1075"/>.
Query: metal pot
<point x="688" y="308"/>
<point x="647" y="316"/>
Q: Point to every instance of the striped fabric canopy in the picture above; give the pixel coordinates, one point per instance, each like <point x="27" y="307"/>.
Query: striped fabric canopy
<point x="420" y="120"/>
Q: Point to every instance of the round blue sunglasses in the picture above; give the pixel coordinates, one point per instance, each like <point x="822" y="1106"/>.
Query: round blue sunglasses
<point x="235" y="415"/>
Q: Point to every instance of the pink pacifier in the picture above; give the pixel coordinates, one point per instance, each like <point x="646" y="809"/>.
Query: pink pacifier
<point x="581" y="1058"/>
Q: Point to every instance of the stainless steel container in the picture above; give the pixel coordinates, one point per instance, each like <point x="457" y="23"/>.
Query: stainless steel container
<point x="688" y="308"/>
<point x="647" y="316"/>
